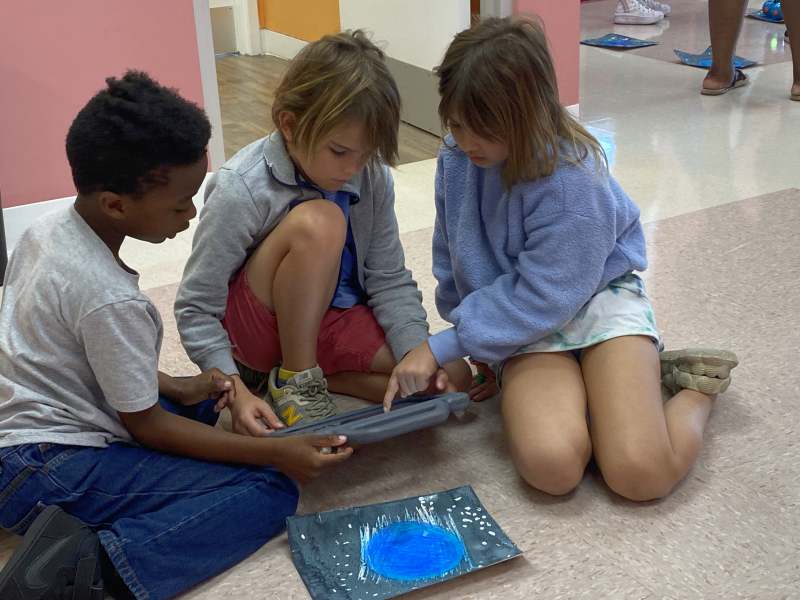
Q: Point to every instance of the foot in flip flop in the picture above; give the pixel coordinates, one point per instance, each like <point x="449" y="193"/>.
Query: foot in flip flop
<point x="795" y="93"/>
<point x="739" y="80"/>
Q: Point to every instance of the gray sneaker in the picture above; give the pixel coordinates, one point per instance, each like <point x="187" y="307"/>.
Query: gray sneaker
<point x="304" y="397"/>
<point x="705" y="370"/>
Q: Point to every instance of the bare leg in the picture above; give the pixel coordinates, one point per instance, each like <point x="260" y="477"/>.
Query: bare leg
<point x="791" y="14"/>
<point x="724" y="22"/>
<point x="544" y="411"/>
<point x="369" y="386"/>
<point x="460" y="376"/>
<point x="294" y="273"/>
<point x="643" y="447"/>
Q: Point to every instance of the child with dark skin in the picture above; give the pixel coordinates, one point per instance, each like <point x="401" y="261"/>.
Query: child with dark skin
<point x="115" y="470"/>
<point x="162" y="213"/>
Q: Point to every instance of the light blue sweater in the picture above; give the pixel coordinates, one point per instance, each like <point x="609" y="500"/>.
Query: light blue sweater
<point x="514" y="266"/>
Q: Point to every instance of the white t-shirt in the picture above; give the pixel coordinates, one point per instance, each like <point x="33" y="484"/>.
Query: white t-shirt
<point x="78" y="339"/>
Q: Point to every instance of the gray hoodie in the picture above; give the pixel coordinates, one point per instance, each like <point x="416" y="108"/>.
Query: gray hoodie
<point x="245" y="201"/>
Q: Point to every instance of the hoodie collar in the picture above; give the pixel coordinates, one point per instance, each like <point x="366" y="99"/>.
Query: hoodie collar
<point x="282" y="168"/>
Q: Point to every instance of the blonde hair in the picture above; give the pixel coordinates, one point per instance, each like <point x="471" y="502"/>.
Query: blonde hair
<point x="498" y="80"/>
<point x="339" y="78"/>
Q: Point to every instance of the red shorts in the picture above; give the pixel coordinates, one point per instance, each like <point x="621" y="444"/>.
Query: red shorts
<point x="348" y="338"/>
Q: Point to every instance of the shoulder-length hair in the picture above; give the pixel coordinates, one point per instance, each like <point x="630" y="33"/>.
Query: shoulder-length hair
<point x="498" y="80"/>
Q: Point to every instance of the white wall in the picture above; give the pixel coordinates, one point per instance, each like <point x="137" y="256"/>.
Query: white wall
<point x="208" y="77"/>
<point x="245" y="22"/>
<point x="413" y="31"/>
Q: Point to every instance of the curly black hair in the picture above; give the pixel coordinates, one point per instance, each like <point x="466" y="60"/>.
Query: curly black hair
<point x="129" y="132"/>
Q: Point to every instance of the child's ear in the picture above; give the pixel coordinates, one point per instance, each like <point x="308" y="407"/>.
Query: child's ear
<point x="112" y="205"/>
<point x="286" y="123"/>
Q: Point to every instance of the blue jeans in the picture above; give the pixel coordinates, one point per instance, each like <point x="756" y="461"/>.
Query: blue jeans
<point x="166" y="522"/>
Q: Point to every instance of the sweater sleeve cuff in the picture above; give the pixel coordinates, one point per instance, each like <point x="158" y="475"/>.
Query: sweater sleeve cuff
<point x="446" y="346"/>
<point x="220" y="359"/>
<point x="404" y="341"/>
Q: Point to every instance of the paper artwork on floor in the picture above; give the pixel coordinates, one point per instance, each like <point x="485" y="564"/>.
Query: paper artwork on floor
<point x="703" y="60"/>
<point x="384" y="550"/>
<point x="616" y="41"/>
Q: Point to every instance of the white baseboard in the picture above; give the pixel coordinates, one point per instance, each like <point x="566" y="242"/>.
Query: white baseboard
<point x="280" y="45"/>
<point x="18" y="218"/>
<point x="574" y="110"/>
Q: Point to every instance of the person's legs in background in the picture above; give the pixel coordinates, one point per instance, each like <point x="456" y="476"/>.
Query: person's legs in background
<point x="725" y="19"/>
<point x="791" y="15"/>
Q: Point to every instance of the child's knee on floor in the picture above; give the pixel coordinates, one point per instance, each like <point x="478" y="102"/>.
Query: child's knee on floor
<point x="555" y="469"/>
<point x="640" y="476"/>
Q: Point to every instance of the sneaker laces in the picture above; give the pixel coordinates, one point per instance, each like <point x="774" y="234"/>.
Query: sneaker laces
<point x="317" y="387"/>
<point x="636" y="7"/>
<point x="646" y="10"/>
<point x="651" y="5"/>
<point x="321" y="403"/>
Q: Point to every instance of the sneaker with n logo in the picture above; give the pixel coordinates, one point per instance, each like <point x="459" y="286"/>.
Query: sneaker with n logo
<point x="304" y="397"/>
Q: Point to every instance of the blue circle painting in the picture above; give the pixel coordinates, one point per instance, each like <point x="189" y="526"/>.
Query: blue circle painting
<point x="411" y="550"/>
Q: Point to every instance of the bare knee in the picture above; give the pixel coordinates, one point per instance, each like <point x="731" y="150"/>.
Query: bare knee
<point x="317" y="224"/>
<point x="640" y="476"/>
<point x="556" y="469"/>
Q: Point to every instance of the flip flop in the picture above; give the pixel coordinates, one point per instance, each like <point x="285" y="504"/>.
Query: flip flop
<point x="739" y="80"/>
<point x="795" y="97"/>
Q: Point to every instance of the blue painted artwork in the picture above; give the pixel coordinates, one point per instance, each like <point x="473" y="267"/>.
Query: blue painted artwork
<point x="703" y="60"/>
<point x="620" y="42"/>
<point x="384" y="550"/>
<point x="412" y="550"/>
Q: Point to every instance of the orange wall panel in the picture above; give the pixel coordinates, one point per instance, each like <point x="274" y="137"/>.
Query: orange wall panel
<point x="262" y="14"/>
<point x="306" y="20"/>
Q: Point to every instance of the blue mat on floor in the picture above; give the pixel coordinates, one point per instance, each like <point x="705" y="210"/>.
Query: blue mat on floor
<point x="757" y="14"/>
<point x="703" y="61"/>
<point x="618" y="42"/>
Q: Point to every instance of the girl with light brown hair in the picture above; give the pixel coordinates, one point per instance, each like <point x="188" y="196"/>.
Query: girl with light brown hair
<point x="534" y="250"/>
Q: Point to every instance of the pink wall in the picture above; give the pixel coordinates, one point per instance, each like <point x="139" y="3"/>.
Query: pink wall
<point x="562" y="21"/>
<point x="55" y="55"/>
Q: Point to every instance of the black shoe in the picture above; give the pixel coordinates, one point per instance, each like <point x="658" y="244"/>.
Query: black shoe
<point x="58" y="558"/>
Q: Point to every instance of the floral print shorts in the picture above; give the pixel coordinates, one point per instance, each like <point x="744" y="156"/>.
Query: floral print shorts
<point x="619" y="309"/>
